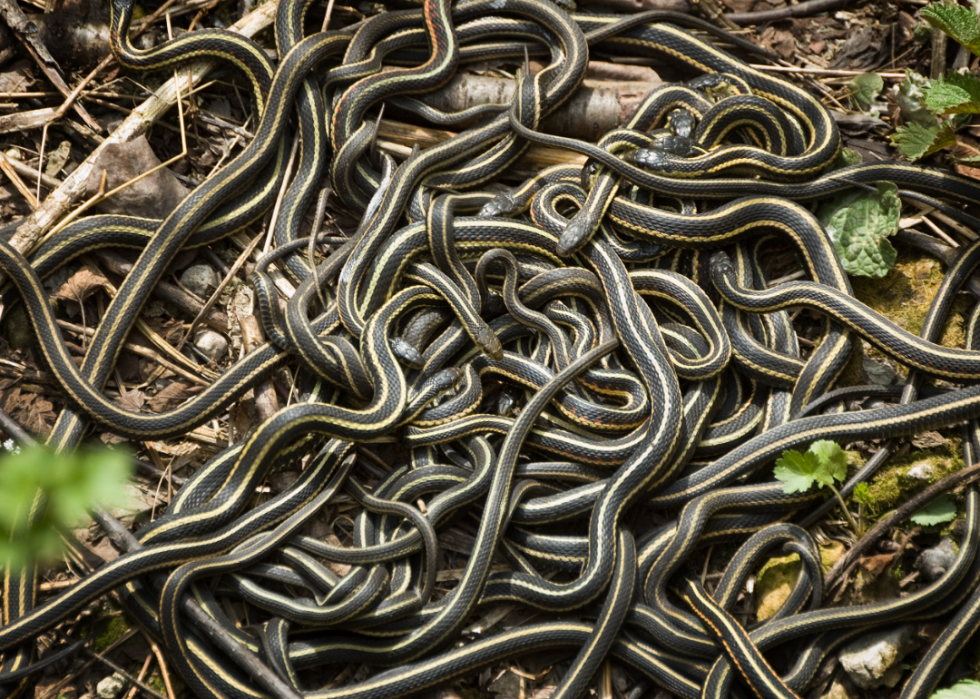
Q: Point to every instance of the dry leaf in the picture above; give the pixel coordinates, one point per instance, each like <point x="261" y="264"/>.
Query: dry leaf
<point x="929" y="440"/>
<point x="80" y="286"/>
<point x="876" y="564"/>
<point x="169" y="397"/>
<point x="778" y="40"/>
<point x="131" y="400"/>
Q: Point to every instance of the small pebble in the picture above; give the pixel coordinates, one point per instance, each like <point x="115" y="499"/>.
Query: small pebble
<point x="200" y="280"/>
<point x="875" y="660"/>
<point x="933" y="563"/>
<point x="213" y="344"/>
<point x="111" y="687"/>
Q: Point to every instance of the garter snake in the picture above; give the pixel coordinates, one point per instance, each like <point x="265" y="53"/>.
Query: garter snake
<point x="561" y="307"/>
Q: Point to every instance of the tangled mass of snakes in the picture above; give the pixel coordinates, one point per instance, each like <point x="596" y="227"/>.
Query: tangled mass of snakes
<point x="589" y="372"/>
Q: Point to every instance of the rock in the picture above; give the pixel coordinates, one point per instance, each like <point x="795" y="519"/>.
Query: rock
<point x="213" y="344"/>
<point x="878" y="372"/>
<point x="875" y="660"/>
<point x="933" y="563"/>
<point x="154" y="196"/>
<point x="111" y="687"/>
<point x="922" y="471"/>
<point x="507" y="685"/>
<point x="837" y="691"/>
<point x="774" y="584"/>
<point x="200" y="280"/>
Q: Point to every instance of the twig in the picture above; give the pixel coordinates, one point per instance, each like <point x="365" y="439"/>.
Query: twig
<point x="141" y="676"/>
<point x="162" y="662"/>
<point x="823" y="71"/>
<point x="12" y="175"/>
<point x="124" y="674"/>
<point x="221" y="287"/>
<point x="803" y="9"/>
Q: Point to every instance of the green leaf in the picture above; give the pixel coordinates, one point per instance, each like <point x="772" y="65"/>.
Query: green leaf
<point x="960" y="23"/>
<point x="915" y="141"/>
<point x="833" y="460"/>
<point x="865" y="87"/>
<point x="797" y="471"/>
<point x="71" y="484"/>
<point x="845" y="158"/>
<point x="938" y="511"/>
<point x="956" y="93"/>
<point x="859" y="226"/>
<point x="862" y="493"/>
<point x="964" y="689"/>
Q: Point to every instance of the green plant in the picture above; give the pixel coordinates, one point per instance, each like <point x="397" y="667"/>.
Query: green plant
<point x="935" y="109"/>
<point x="824" y="463"/>
<point x="862" y="496"/>
<point x="62" y="486"/>
<point x="859" y="224"/>
<point x="938" y="511"/>
<point x="964" y="689"/>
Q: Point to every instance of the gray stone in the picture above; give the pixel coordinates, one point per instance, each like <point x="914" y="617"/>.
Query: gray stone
<point x="878" y="372"/>
<point x="213" y="344"/>
<point x="111" y="687"/>
<point x="933" y="563"/>
<point x="200" y="280"/>
<point x="875" y="660"/>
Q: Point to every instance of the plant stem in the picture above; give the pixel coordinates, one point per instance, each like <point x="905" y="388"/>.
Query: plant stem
<point x="847" y="513"/>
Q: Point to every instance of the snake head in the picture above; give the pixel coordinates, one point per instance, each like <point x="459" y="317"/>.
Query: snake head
<point x="500" y="205"/>
<point x="489" y="343"/>
<point x="575" y="235"/>
<point x="408" y="355"/>
<point x="447" y="379"/>
<point x="651" y="158"/>
<point x="589" y="172"/>
<point x="721" y="265"/>
<point x="681" y="122"/>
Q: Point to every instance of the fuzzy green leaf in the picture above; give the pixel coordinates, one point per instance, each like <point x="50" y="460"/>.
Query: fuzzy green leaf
<point x="859" y="226"/>
<point x="797" y="471"/>
<point x="865" y="88"/>
<point x="956" y="93"/>
<point x="959" y="23"/>
<point x="916" y="141"/>
<point x="832" y="459"/>
<point x="964" y="689"/>
<point x="938" y="511"/>
<point x="862" y="493"/>
<point x="71" y="483"/>
<point x="845" y="158"/>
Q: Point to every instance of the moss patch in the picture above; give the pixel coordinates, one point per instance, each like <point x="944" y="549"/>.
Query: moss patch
<point x="774" y="583"/>
<point x="109" y="631"/>
<point x="891" y="486"/>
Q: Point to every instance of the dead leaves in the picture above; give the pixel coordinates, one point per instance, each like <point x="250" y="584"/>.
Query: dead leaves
<point x="80" y="286"/>
<point x="32" y="410"/>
